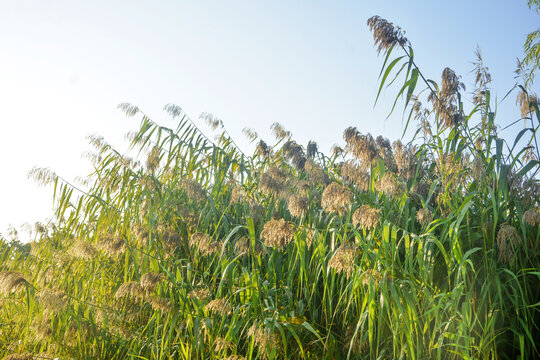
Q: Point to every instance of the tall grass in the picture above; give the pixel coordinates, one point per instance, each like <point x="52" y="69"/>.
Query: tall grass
<point x="426" y="250"/>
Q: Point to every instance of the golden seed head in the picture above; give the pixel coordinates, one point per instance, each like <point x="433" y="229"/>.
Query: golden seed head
<point x="43" y="176"/>
<point x="336" y="198"/>
<point x="150" y="280"/>
<point x="294" y="153"/>
<point x="131" y="289"/>
<point x="18" y="357"/>
<point x="532" y="217"/>
<point x="52" y="300"/>
<point x="200" y="294"/>
<point x="263" y="338"/>
<point x="366" y="217"/>
<point x="11" y="281"/>
<point x="193" y="190"/>
<point x="83" y="250"/>
<point x="238" y="194"/>
<point x="205" y="245"/>
<point x="404" y="156"/>
<point x="152" y="161"/>
<point x="371" y="275"/>
<point x="343" y="259"/>
<point x="424" y="216"/>
<point x="525" y="102"/>
<point x="298" y="204"/>
<point x="353" y="174"/>
<point x="363" y="147"/>
<point x="389" y="185"/>
<point x="219" y="306"/>
<point x="315" y="173"/>
<point x="277" y="234"/>
<point x="385" y="34"/>
<point x="507" y="241"/>
<point x="235" y="357"/>
<point x="221" y="344"/>
<point x="160" y="304"/>
<point x="274" y="181"/>
<point x="263" y="149"/>
<point x="242" y="247"/>
<point x="111" y="245"/>
<point x="41" y="327"/>
<point x="250" y="134"/>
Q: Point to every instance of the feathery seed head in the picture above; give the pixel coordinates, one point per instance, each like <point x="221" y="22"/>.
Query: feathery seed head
<point x="507" y="241"/>
<point x="336" y="198"/>
<point x="277" y="234"/>
<point x="250" y="134"/>
<point x="11" y="281"/>
<point x="152" y="161"/>
<point x="389" y="185"/>
<point x="111" y="245"/>
<point x="298" y="205"/>
<point x="150" y="280"/>
<point x="532" y="217"/>
<point x="385" y="34"/>
<point x="219" y="306"/>
<point x="221" y="344"/>
<point x="200" y="294"/>
<point x="193" y="190"/>
<point x="424" y="216"/>
<point x="52" y="300"/>
<point x="315" y="173"/>
<point x="353" y="174"/>
<point x="130" y="289"/>
<point x="366" y="217"/>
<point x="83" y="250"/>
<point x="263" y="338"/>
<point x="312" y="149"/>
<point x="343" y="259"/>
<point x="160" y="304"/>
<point x="211" y="120"/>
<point x="263" y="149"/>
<point x="279" y="131"/>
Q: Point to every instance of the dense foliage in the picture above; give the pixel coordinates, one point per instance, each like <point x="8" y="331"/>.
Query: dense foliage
<point x="426" y="250"/>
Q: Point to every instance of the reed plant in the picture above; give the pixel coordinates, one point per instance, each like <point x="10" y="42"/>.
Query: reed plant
<point x="194" y="250"/>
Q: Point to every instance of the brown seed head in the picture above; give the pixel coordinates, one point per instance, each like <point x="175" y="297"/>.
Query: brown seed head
<point x="219" y="306"/>
<point x="160" y="304"/>
<point x="131" y="289"/>
<point x="343" y="259"/>
<point x="150" y="280"/>
<point x="315" y="173"/>
<point x="352" y="173"/>
<point x="532" y="217"/>
<point x="424" y="216"/>
<point x="11" y="281"/>
<point x="336" y="198"/>
<point x="277" y="234"/>
<point x="52" y="300"/>
<point x="385" y="34"/>
<point x="298" y="205"/>
<point x="366" y="217"/>
<point x="83" y="250"/>
<point x="508" y="240"/>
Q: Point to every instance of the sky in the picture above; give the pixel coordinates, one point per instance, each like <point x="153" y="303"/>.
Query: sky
<point x="310" y="65"/>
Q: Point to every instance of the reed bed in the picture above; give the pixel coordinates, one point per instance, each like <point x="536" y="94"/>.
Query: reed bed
<point x="195" y="250"/>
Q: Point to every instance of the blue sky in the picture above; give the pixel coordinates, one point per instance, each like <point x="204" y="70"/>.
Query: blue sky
<point x="310" y="65"/>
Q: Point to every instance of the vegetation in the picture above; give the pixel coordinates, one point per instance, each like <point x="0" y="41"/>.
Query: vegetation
<point x="425" y="250"/>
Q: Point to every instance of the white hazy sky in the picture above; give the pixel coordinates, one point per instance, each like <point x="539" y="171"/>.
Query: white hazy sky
<point x="310" y="65"/>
